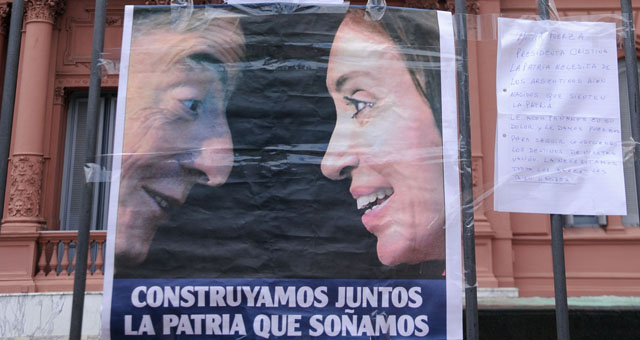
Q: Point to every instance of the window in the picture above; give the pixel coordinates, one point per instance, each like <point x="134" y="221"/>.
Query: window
<point x="585" y="221"/>
<point x="73" y="177"/>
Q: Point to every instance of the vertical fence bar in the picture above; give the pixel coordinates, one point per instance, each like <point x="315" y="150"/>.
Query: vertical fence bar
<point x="559" y="279"/>
<point x="9" y="93"/>
<point x="631" y="64"/>
<point x="79" y="282"/>
<point x="471" y="287"/>
<point x="543" y="9"/>
<point x="557" y="246"/>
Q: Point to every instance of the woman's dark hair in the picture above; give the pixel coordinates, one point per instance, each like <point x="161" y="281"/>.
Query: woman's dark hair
<point x="417" y="39"/>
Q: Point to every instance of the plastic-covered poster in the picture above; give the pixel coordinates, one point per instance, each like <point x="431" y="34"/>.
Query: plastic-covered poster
<point x="285" y="172"/>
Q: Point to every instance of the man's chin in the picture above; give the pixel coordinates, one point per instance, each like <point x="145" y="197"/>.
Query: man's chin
<point x="128" y="258"/>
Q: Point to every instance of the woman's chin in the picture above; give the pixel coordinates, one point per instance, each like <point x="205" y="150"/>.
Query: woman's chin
<point x="394" y="254"/>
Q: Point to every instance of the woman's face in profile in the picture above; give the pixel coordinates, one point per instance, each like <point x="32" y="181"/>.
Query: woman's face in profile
<point x="387" y="141"/>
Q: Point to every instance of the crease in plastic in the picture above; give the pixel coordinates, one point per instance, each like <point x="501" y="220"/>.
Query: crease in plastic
<point x="376" y="9"/>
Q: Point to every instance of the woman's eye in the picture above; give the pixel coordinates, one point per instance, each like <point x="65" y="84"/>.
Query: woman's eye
<point x="359" y="105"/>
<point x="192" y="106"/>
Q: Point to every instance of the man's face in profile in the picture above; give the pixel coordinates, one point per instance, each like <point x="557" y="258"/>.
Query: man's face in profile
<point x="176" y="132"/>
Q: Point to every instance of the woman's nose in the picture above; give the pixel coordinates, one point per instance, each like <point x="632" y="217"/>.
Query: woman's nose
<point x="341" y="156"/>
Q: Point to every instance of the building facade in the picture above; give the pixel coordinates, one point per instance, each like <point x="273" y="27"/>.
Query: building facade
<point x="37" y="234"/>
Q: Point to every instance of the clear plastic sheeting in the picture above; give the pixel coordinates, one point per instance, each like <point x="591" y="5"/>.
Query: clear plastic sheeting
<point x="375" y="8"/>
<point x="301" y="148"/>
<point x="483" y="31"/>
<point x="285" y="165"/>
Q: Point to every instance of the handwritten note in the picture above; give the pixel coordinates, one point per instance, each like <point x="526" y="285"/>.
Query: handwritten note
<point x="558" y="143"/>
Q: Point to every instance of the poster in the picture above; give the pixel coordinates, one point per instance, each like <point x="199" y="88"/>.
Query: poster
<point x="282" y="172"/>
<point x="558" y="137"/>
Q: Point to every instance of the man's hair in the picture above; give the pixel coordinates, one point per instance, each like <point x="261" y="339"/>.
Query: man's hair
<point x="192" y="20"/>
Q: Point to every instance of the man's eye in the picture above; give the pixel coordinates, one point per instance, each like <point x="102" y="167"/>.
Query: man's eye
<point x="192" y="106"/>
<point x="359" y="105"/>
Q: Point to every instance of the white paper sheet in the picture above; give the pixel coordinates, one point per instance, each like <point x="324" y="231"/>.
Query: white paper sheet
<point x="558" y="142"/>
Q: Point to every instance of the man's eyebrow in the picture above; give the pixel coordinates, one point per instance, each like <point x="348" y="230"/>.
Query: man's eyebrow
<point x="211" y="61"/>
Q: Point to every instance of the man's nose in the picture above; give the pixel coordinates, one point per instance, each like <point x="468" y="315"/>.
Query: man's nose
<point x="214" y="160"/>
<point x="341" y="156"/>
<point x="212" y="152"/>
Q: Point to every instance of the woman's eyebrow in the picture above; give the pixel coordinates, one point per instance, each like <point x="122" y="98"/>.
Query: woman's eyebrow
<point x="345" y="78"/>
<point x="341" y="81"/>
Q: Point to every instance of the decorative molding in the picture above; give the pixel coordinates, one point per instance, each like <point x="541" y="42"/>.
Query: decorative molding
<point x="475" y="169"/>
<point x="5" y="17"/>
<point x="43" y="10"/>
<point x="110" y="21"/>
<point x="79" y="26"/>
<point x="73" y="82"/>
<point x="67" y="83"/>
<point x="473" y="6"/>
<point x="59" y="95"/>
<point x="25" y="186"/>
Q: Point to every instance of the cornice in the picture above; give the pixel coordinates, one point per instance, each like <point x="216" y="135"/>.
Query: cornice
<point x="43" y="10"/>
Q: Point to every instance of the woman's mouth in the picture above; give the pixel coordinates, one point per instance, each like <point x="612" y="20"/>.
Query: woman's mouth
<point x="374" y="200"/>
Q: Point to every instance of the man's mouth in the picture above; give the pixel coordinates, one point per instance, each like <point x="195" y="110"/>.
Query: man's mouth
<point x="374" y="200"/>
<point x="165" y="203"/>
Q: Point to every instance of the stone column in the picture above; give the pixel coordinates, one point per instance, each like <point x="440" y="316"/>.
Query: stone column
<point x="24" y="183"/>
<point x="23" y="201"/>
